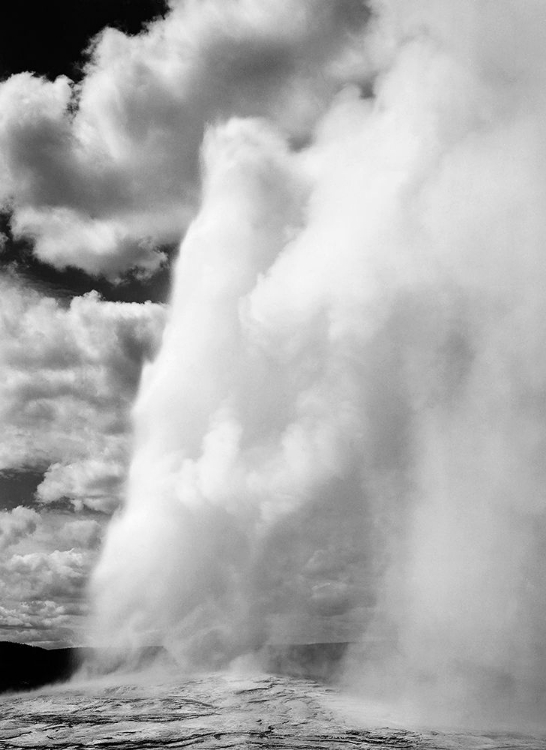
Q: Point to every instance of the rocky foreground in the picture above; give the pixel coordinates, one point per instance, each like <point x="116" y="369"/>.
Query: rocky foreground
<point x="213" y="711"/>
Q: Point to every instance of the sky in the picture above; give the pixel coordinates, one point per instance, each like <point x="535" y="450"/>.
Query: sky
<point x="73" y="343"/>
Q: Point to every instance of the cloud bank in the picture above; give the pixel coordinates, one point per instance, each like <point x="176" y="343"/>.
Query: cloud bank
<point x="69" y="374"/>
<point x="45" y="560"/>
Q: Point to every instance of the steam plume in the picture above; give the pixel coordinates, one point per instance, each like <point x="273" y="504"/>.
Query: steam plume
<point x="342" y="437"/>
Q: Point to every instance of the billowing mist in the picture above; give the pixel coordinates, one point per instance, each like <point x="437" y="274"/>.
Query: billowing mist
<point x="342" y="437"/>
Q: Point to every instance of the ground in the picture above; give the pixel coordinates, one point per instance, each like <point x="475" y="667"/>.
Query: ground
<point x="213" y="711"/>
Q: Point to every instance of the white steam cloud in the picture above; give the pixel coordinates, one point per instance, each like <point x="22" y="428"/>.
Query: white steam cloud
<point x="342" y="436"/>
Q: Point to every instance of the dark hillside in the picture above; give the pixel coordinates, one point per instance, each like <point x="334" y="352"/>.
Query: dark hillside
<point x="25" y="667"/>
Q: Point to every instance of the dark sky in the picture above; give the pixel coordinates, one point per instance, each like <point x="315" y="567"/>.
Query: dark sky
<point x="18" y="487"/>
<point x="50" y="39"/>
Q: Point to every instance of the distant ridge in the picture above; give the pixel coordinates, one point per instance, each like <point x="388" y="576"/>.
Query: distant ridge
<point x="24" y="667"/>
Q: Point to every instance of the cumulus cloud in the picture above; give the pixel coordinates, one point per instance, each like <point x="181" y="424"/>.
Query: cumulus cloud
<point x="69" y="375"/>
<point x="42" y="575"/>
<point x="17" y="524"/>
<point x="102" y="174"/>
<point x="91" y="482"/>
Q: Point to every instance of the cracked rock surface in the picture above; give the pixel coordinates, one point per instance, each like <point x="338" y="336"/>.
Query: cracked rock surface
<point x="211" y="711"/>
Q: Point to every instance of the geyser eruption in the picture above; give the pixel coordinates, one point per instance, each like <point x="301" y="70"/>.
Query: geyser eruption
<point x="343" y="435"/>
